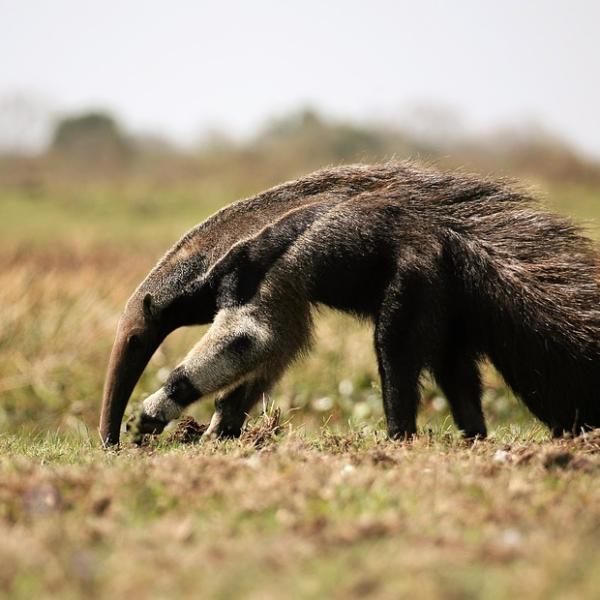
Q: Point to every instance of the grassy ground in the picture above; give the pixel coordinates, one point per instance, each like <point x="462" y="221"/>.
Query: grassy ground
<point x="303" y="515"/>
<point x="326" y="507"/>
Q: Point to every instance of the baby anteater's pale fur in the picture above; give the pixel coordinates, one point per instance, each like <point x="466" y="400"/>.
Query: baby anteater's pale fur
<point x="451" y="269"/>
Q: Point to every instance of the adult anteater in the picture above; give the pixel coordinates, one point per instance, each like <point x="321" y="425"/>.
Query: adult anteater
<point x="451" y="269"/>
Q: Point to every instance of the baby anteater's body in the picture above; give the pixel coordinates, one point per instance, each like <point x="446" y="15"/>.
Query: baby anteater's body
<point x="451" y="269"/>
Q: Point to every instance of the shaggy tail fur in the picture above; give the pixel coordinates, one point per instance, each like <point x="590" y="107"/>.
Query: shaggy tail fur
<point x="531" y="281"/>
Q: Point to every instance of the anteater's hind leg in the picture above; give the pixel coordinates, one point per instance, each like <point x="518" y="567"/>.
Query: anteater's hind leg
<point x="399" y="370"/>
<point x="459" y="379"/>
<point x="403" y="335"/>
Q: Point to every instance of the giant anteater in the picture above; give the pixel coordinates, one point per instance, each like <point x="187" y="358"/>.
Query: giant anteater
<point x="450" y="268"/>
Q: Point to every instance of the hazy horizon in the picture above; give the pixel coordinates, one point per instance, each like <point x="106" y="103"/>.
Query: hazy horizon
<point x="182" y="68"/>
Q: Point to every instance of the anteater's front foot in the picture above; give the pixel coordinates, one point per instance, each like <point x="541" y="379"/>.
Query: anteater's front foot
<point x="141" y="424"/>
<point x="158" y="410"/>
<point x="151" y="425"/>
<point x="225" y="426"/>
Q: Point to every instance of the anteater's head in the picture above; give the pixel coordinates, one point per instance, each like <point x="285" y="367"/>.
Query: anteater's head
<point x="159" y="306"/>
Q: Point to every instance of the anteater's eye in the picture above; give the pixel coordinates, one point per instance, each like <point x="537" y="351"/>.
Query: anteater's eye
<point x="133" y="340"/>
<point x="240" y="343"/>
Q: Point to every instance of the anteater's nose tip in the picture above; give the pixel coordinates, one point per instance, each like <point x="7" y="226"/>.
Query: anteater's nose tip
<point x="107" y="441"/>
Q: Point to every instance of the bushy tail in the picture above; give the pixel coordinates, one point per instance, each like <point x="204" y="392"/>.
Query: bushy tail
<point x="531" y="281"/>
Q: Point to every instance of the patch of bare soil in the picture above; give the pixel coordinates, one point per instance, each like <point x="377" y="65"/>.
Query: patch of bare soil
<point x="263" y="431"/>
<point x="188" y="431"/>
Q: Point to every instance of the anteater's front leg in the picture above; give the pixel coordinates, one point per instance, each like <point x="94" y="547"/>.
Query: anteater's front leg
<point x="232" y="407"/>
<point x="234" y="350"/>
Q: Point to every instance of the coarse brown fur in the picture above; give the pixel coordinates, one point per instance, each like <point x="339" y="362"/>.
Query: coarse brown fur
<point x="451" y="268"/>
<point x="139" y="333"/>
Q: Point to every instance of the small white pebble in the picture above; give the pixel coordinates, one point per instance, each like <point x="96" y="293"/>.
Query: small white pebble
<point x="322" y="404"/>
<point x="254" y="462"/>
<point x="347" y="469"/>
<point x="510" y="538"/>
<point x="439" y="403"/>
<point x="361" y="410"/>
<point x="501" y="456"/>
<point x="346" y="387"/>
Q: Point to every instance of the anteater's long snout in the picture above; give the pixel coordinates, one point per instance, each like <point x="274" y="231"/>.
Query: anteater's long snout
<point x="135" y="343"/>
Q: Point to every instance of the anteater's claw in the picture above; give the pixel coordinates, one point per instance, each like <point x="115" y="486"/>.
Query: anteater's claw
<point x="141" y="424"/>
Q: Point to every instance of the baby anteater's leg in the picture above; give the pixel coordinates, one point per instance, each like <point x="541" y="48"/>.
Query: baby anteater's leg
<point x="460" y="381"/>
<point x="234" y="349"/>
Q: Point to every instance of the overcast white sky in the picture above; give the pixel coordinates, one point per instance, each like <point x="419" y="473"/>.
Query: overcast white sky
<point x="180" y="66"/>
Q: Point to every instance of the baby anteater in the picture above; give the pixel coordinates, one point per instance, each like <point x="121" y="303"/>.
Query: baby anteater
<point x="451" y="269"/>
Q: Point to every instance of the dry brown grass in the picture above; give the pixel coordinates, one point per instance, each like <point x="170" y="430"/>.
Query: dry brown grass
<point x="188" y="431"/>
<point x="330" y="515"/>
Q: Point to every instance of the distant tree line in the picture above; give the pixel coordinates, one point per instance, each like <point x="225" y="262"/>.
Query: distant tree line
<point x="96" y="144"/>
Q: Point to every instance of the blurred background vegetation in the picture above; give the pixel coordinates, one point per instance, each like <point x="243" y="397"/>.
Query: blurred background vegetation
<point x="84" y="219"/>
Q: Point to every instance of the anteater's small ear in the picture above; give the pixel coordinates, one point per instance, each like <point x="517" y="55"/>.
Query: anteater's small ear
<point x="149" y="307"/>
